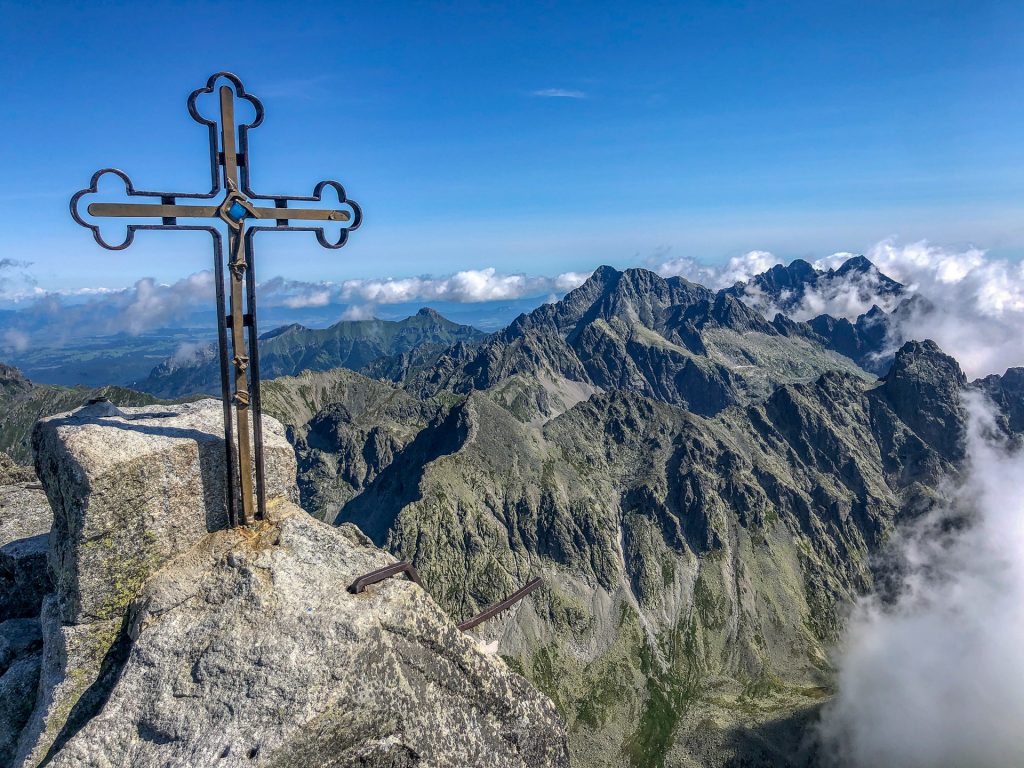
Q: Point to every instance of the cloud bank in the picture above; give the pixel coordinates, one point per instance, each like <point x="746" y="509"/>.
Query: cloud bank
<point x="936" y="678"/>
<point x="147" y="305"/>
<point x="974" y="309"/>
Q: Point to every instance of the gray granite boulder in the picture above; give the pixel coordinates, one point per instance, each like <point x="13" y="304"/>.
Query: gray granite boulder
<point x="248" y="650"/>
<point x="25" y="521"/>
<point x="131" y="488"/>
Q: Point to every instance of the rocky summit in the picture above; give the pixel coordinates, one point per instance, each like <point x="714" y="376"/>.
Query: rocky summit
<point x="705" y="482"/>
<point x="168" y="639"/>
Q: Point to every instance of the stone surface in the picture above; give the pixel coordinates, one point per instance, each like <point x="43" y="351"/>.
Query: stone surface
<point x="248" y="650"/>
<point x="17" y="692"/>
<point x="18" y="637"/>
<point x="24" y="579"/>
<point x="132" y="488"/>
<point x="171" y="640"/>
<point x="25" y="520"/>
<point x="24" y="510"/>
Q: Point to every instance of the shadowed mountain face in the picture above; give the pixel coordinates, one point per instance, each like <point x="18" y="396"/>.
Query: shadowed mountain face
<point x="386" y="348"/>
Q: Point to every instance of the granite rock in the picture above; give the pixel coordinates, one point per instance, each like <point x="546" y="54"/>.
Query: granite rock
<point x="249" y="650"/>
<point x="131" y="488"/>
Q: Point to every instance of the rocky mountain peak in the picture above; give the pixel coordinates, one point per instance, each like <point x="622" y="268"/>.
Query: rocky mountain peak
<point x="431" y="313"/>
<point x="924" y="386"/>
<point x="10" y="374"/>
<point x="860" y="264"/>
<point x="282" y="330"/>
<point x="797" y="273"/>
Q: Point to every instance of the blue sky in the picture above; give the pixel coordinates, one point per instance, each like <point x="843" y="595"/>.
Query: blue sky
<point x="535" y="137"/>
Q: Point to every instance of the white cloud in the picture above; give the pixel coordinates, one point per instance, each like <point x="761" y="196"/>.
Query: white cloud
<point x="358" y="312"/>
<point x="148" y="304"/>
<point x="559" y="93"/>
<point x="975" y="307"/>
<point x="316" y="297"/>
<point x="736" y="269"/>
<point x="15" y="341"/>
<point x="937" y="678"/>
<point x="190" y="352"/>
<point x="468" y="286"/>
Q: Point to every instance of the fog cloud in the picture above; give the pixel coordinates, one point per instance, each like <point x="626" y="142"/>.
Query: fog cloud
<point x="936" y="678"/>
<point x="974" y="308"/>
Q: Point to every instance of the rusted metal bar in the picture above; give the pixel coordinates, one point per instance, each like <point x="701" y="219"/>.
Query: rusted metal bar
<point x="254" y="379"/>
<point x="157" y="210"/>
<point x="504" y="605"/>
<point x="381" y="574"/>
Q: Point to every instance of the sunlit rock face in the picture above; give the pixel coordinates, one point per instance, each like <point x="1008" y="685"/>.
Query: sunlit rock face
<point x="249" y="650"/>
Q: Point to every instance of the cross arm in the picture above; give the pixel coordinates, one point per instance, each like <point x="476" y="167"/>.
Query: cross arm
<point x="157" y="210"/>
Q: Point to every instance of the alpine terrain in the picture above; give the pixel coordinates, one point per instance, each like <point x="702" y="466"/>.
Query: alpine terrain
<point x="702" y="478"/>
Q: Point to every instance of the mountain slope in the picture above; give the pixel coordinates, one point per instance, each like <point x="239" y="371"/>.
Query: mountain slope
<point x="664" y="338"/>
<point x="696" y="568"/>
<point x="394" y="346"/>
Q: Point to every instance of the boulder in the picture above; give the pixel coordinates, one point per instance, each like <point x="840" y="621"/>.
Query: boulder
<point x="132" y="488"/>
<point x="24" y="580"/>
<point x="24" y="510"/>
<point x="249" y="650"/>
<point x="173" y="640"/>
<point x="18" y="685"/>
<point x="25" y="520"/>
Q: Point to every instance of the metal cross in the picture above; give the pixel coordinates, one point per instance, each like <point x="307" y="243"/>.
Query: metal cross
<point x="232" y="202"/>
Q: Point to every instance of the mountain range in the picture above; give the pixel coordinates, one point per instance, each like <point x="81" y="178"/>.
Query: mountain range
<point x="385" y="348"/>
<point x="704" y="488"/>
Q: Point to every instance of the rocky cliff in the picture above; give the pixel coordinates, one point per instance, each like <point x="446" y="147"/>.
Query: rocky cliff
<point x="668" y="339"/>
<point x="169" y="640"/>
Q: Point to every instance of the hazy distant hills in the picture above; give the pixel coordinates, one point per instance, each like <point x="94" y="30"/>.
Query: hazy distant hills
<point x="391" y="348"/>
<point x="22" y="402"/>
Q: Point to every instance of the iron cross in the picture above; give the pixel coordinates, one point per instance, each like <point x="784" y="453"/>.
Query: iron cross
<point x="231" y="203"/>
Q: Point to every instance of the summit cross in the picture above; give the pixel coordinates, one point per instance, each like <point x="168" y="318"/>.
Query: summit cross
<point x="231" y="203"/>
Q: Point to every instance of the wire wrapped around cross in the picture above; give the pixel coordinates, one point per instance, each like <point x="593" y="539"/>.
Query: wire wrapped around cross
<point x="231" y="203"/>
